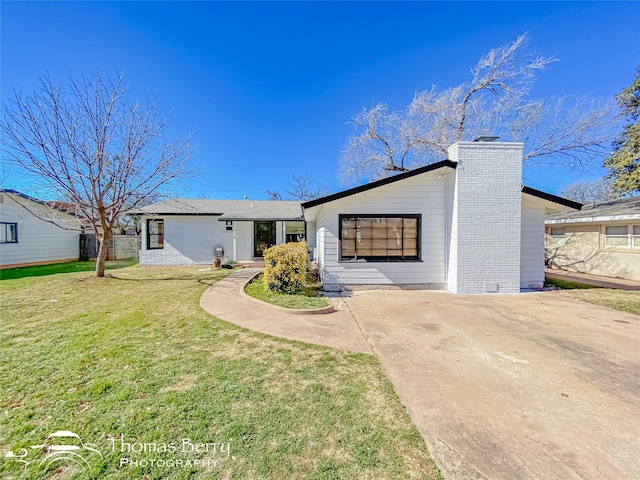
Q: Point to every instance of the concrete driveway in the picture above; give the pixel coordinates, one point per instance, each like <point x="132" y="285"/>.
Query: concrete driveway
<point x="511" y="387"/>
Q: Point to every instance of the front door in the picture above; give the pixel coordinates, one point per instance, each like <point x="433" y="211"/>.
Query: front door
<point x="264" y="236"/>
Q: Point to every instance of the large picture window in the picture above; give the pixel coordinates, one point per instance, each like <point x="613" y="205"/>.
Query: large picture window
<point x="382" y="238"/>
<point x="155" y="234"/>
<point x="8" y="232"/>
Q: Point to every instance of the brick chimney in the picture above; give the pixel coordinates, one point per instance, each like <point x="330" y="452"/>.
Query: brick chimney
<point x="485" y="205"/>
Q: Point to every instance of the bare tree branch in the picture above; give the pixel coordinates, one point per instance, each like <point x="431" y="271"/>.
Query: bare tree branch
<point x="94" y="148"/>
<point x="495" y="101"/>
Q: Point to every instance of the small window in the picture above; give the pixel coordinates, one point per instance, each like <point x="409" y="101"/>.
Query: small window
<point x="556" y="236"/>
<point x="380" y="238"/>
<point x="155" y="234"/>
<point x="8" y="232"/>
<point x="636" y="236"/>
<point x="616" y="236"/>
<point x="615" y="231"/>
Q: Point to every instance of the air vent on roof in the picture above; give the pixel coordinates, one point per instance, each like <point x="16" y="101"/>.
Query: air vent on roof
<point x="486" y="139"/>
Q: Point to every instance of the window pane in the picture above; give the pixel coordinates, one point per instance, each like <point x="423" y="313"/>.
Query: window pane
<point x="348" y="234"/>
<point x="636" y="229"/>
<point x="348" y="251"/>
<point x="557" y="231"/>
<point x="3" y="233"/>
<point x="12" y="234"/>
<point x="382" y="238"/>
<point x="616" y="241"/>
<point x="616" y="230"/>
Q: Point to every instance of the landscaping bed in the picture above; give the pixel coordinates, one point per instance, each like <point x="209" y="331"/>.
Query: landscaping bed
<point x="308" y="298"/>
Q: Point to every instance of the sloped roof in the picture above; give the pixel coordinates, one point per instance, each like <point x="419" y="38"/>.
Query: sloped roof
<point x="429" y="168"/>
<point x="622" y="209"/>
<point x="379" y="183"/>
<point x="228" y="209"/>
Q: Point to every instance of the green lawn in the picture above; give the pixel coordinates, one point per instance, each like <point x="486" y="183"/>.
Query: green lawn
<point x="67" y="267"/>
<point x="133" y="360"/>
<point x="306" y="299"/>
<point x="565" y="284"/>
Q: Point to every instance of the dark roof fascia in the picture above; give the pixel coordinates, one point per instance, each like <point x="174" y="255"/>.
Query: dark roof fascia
<point x="257" y="219"/>
<point x="182" y="214"/>
<point x="551" y="198"/>
<point x="379" y="183"/>
<point x="22" y="195"/>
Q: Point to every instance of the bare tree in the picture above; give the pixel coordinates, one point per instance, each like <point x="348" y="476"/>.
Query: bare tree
<point x="274" y="196"/>
<point x="94" y="148"/>
<point x="301" y="188"/>
<point x="494" y="102"/>
<point x="600" y="191"/>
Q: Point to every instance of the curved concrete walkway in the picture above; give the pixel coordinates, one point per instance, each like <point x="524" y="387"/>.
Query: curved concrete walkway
<point x="501" y="387"/>
<point x="337" y="329"/>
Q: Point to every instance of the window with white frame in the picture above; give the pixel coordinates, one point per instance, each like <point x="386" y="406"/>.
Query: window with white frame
<point x="617" y="236"/>
<point x="557" y="236"/>
<point x="8" y="232"/>
<point x="635" y="239"/>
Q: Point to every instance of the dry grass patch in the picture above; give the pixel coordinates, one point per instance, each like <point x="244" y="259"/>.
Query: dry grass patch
<point x="625" y="301"/>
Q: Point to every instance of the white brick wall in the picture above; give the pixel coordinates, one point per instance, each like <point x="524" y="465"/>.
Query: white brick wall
<point x="485" y="236"/>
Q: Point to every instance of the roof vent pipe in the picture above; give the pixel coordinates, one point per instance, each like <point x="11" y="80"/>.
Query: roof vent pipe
<point x="486" y="138"/>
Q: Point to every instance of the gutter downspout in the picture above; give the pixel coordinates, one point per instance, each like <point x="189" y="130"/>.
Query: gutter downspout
<point x="235" y="259"/>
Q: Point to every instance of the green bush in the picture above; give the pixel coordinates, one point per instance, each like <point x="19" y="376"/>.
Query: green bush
<point x="286" y="267"/>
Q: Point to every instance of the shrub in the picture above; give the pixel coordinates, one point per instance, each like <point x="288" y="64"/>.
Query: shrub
<point x="286" y="267"/>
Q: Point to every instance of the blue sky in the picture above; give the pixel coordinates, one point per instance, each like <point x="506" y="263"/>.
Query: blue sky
<point x="268" y="88"/>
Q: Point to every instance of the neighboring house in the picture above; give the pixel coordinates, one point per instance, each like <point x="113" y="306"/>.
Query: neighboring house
<point x="465" y="224"/>
<point x="32" y="233"/>
<point x="184" y="232"/>
<point x="600" y="239"/>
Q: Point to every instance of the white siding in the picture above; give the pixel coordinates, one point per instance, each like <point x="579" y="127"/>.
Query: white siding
<point x="39" y="241"/>
<point x="532" y="245"/>
<point x="422" y="194"/>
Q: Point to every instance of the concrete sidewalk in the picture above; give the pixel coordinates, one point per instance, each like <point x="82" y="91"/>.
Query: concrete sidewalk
<point x="225" y="301"/>
<point x="595" y="280"/>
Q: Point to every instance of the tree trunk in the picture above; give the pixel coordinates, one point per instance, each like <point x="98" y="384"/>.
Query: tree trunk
<point x="103" y="253"/>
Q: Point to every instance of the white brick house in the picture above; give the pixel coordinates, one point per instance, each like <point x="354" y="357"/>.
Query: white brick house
<point x="465" y="224"/>
<point x="186" y="232"/>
